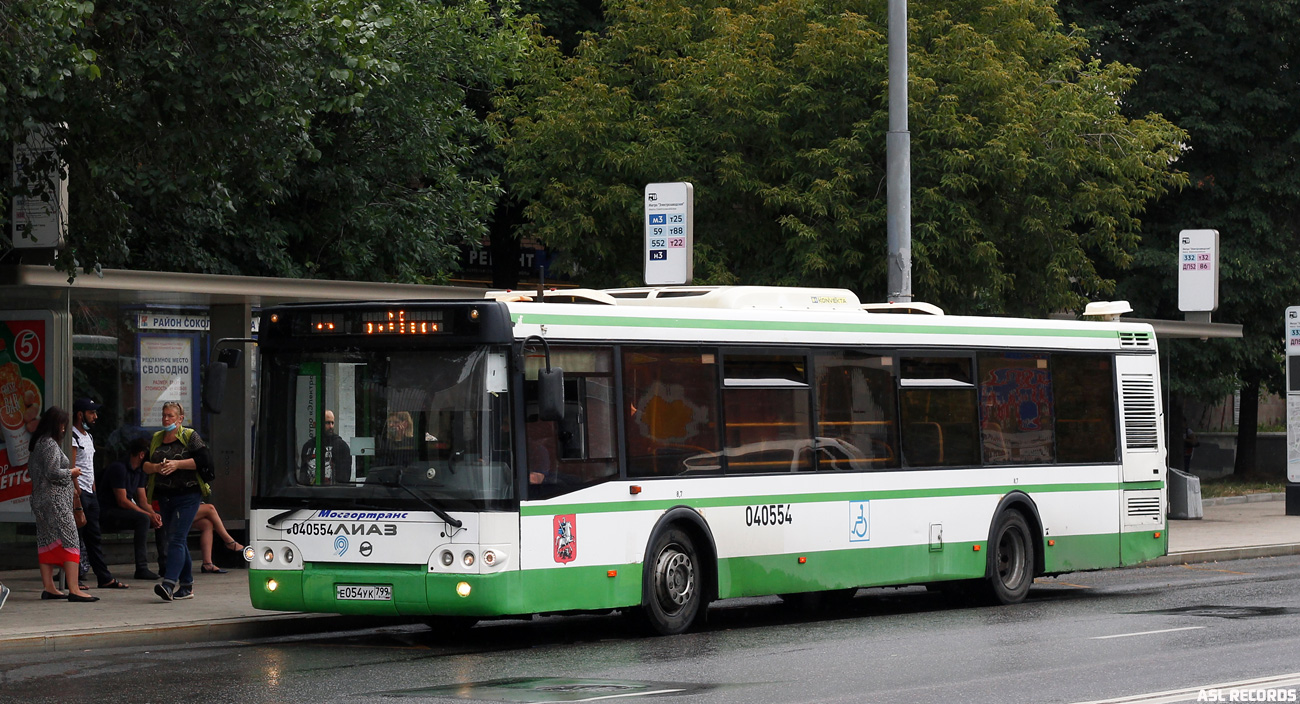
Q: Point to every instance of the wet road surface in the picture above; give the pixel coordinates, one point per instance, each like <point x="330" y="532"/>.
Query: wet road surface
<point x="1079" y="637"/>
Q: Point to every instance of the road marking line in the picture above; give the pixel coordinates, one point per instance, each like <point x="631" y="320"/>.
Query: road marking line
<point x="629" y="694"/>
<point x="1192" y="693"/>
<point x="1207" y="569"/>
<point x="1147" y="633"/>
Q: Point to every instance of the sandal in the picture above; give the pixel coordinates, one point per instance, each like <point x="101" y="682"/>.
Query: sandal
<point x="115" y="584"/>
<point x="237" y="547"/>
<point x="211" y="568"/>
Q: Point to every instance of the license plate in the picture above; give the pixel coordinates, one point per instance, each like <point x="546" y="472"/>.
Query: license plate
<point x="364" y="592"/>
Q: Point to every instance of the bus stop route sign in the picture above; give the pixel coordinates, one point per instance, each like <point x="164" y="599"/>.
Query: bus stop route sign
<point x="1198" y="271"/>
<point x="669" y="233"/>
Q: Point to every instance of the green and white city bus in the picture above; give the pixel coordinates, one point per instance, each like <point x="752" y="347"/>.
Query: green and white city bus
<point x="698" y="444"/>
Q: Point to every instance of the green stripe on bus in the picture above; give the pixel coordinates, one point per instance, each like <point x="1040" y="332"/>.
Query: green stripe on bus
<point x="563" y="588"/>
<point x="794" y="326"/>
<point x="825" y="497"/>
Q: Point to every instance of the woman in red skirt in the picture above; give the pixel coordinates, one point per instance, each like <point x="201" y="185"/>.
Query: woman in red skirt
<point x="53" y="490"/>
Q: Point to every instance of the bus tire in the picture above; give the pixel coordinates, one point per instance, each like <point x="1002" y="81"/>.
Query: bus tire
<point x="672" y="585"/>
<point x="1010" y="569"/>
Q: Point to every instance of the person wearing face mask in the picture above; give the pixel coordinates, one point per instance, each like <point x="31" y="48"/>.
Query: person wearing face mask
<point x="178" y="463"/>
<point x="84" y="414"/>
<point x="336" y="465"/>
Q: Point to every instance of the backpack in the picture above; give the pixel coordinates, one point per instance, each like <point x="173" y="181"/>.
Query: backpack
<point x="183" y="435"/>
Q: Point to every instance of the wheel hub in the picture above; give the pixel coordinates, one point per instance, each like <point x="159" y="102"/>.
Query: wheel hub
<point x="674" y="579"/>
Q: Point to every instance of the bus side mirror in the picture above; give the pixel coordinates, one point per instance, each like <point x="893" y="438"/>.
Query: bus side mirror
<point x="214" y="387"/>
<point x="550" y="394"/>
<point x="214" y="382"/>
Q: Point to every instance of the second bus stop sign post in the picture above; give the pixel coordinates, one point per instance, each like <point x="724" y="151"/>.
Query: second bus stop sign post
<point x="669" y="233"/>
<point x="1292" y="340"/>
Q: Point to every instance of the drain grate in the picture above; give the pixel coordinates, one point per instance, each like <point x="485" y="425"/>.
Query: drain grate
<point x="551" y="689"/>
<point x="1225" y="611"/>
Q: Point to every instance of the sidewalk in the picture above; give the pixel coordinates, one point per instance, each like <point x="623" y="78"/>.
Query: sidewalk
<point x="220" y="610"/>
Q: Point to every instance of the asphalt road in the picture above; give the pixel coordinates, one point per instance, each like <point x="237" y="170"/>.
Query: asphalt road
<point x="1079" y="638"/>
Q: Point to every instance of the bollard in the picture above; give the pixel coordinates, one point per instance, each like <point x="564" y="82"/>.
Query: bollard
<point x="1184" y="495"/>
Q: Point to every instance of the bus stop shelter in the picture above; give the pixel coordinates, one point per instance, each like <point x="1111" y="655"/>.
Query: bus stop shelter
<point x="132" y="340"/>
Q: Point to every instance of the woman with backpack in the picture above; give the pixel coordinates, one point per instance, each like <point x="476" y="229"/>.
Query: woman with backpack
<point x="180" y="467"/>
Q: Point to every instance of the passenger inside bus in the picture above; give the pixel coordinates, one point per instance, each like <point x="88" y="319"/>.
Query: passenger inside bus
<point x="397" y="447"/>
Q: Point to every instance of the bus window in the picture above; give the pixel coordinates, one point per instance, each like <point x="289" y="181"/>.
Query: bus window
<point x="1016" y="408"/>
<point x="766" y="410"/>
<point x="671" y="414"/>
<point x="580" y="449"/>
<point x="856" y="411"/>
<point x="1084" y="388"/>
<point x="937" y="412"/>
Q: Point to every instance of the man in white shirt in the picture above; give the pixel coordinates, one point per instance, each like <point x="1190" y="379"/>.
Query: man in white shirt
<point x="84" y="414"/>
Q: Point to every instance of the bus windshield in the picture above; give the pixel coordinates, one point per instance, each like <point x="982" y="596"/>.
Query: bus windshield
<point x="384" y="428"/>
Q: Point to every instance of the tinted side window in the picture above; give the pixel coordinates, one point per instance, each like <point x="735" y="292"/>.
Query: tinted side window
<point x="671" y="413"/>
<point x="1016" y="408"/>
<point x="1084" y="388"/>
<point x="857" y="420"/>
<point x="766" y="407"/>
<point x="579" y="450"/>
<point x="937" y="411"/>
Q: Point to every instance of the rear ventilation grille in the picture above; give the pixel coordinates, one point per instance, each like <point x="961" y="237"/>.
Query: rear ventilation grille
<point x="1135" y="339"/>
<point x="1143" y="506"/>
<point x="1141" y="423"/>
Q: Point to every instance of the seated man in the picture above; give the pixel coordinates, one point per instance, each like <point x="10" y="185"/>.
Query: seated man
<point x="337" y="464"/>
<point x="126" y="507"/>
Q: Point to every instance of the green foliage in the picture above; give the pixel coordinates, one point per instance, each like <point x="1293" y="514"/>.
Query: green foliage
<point x="1024" y="171"/>
<point x="1228" y="72"/>
<point x="286" y="137"/>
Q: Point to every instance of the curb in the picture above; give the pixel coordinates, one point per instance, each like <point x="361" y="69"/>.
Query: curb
<point x="1243" y="499"/>
<point x="186" y="633"/>
<point x="1222" y="554"/>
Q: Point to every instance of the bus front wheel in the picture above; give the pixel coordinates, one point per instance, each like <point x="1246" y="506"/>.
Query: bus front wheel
<point x="1011" y="559"/>
<point x="673" y="588"/>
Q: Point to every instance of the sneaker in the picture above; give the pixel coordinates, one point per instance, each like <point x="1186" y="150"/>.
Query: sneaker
<point x="145" y="573"/>
<point x="4" y="595"/>
<point x="183" y="593"/>
<point x="164" y="590"/>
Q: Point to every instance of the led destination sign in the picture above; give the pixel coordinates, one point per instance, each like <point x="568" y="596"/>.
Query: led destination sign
<point x="401" y="322"/>
<point x="396" y="321"/>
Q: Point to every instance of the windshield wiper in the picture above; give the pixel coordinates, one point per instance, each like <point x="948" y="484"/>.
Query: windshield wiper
<point x="273" y="521"/>
<point x="453" y="522"/>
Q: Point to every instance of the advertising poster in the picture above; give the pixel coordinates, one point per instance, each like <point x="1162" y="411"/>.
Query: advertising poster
<point x="168" y="372"/>
<point x="24" y="359"/>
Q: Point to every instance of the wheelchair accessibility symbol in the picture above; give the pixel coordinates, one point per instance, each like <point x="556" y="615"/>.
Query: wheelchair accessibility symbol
<point x="859" y="521"/>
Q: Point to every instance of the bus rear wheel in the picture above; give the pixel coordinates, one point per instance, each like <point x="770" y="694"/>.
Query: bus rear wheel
<point x="673" y="594"/>
<point x="1010" y="569"/>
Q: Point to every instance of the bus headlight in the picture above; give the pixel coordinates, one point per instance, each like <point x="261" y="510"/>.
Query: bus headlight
<point x="288" y="555"/>
<point x="467" y="559"/>
<point x="272" y="585"/>
<point x="489" y="558"/>
<point x="447" y="558"/>
<point x="463" y="589"/>
<point x="249" y="553"/>
<point x="269" y="555"/>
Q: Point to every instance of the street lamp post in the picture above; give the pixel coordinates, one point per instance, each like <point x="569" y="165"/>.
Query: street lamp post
<point x="898" y="157"/>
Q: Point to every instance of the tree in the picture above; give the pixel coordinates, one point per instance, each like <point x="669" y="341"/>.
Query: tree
<point x="286" y="138"/>
<point x="1024" y="171"/>
<point x="1228" y="72"/>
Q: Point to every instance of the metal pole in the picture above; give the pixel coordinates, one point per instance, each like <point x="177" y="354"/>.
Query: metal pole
<point x="898" y="157"/>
